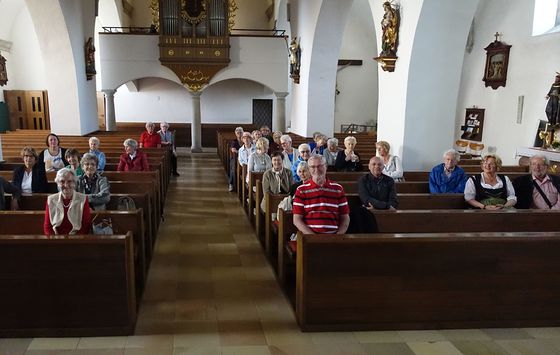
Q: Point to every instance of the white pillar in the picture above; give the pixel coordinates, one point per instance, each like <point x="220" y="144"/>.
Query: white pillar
<point x="196" y="146"/>
<point x="110" y="119"/>
<point x="279" y="123"/>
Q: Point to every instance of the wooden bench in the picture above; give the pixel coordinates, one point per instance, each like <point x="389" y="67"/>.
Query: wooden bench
<point x="428" y="281"/>
<point x="31" y="223"/>
<point x="37" y="202"/>
<point x="432" y="221"/>
<point x="67" y="286"/>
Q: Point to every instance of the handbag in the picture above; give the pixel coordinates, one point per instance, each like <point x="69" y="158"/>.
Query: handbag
<point x="104" y="226"/>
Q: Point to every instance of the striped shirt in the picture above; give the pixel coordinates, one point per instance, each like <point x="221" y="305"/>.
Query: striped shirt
<point x="321" y="206"/>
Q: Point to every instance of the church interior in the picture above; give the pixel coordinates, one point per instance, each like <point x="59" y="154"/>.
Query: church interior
<point x="201" y="276"/>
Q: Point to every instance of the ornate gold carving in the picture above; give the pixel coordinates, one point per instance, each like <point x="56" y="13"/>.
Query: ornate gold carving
<point x="195" y="76"/>
<point x="154" y="7"/>
<point x="201" y="52"/>
<point x="193" y="19"/>
<point x="171" y="52"/>
<point x="187" y="52"/>
<point x="217" y="53"/>
<point x="196" y="87"/>
<point x="232" y="8"/>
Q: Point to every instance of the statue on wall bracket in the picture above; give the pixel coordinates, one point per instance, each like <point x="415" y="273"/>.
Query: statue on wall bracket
<point x="497" y="59"/>
<point x="390" y="37"/>
<point x="3" y="72"/>
<point x="552" y="110"/>
<point x="90" y="59"/>
<point x="295" y="60"/>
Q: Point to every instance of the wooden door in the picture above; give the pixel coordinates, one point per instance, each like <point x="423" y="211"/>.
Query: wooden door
<point x="37" y="110"/>
<point x="28" y="109"/>
<point x="15" y="99"/>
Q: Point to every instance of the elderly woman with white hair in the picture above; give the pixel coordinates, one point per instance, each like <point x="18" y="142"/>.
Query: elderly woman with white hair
<point x="149" y="138"/>
<point x="132" y="159"/>
<point x="290" y="154"/>
<point x="94" y="149"/>
<point x="331" y="152"/>
<point x="92" y="184"/>
<point x="168" y="140"/>
<point x="304" y="151"/>
<point x="67" y="212"/>
<point x="348" y="159"/>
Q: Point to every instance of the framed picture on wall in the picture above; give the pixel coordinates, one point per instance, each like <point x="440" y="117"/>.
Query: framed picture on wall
<point x="497" y="60"/>
<point x="474" y="121"/>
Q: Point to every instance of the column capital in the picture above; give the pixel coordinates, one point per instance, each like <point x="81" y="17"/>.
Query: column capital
<point x="194" y="94"/>
<point x="108" y="92"/>
<point x="280" y="94"/>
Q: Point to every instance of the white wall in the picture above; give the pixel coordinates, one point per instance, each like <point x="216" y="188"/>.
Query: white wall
<point x="158" y="99"/>
<point x="357" y="101"/>
<point x="251" y="14"/>
<point x="533" y="62"/>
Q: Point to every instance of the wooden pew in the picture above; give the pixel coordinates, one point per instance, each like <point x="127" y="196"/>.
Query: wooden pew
<point x="67" y="286"/>
<point x="428" y="281"/>
<point x="37" y="202"/>
<point x="31" y="222"/>
<point x="433" y="221"/>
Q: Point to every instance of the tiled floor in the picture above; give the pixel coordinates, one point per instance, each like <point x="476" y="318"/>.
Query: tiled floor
<point x="211" y="291"/>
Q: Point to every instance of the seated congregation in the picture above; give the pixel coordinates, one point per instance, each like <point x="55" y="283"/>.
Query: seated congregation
<point x="394" y="209"/>
<point x="61" y="197"/>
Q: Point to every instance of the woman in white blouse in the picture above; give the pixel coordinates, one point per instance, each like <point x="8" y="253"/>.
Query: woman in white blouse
<point x="393" y="165"/>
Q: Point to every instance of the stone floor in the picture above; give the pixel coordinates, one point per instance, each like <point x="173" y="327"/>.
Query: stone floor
<point x="211" y="291"/>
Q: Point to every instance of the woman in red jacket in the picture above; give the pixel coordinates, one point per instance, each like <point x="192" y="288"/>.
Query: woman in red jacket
<point x="133" y="159"/>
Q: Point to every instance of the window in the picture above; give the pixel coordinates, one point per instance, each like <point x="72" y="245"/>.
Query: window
<point x="546" y="17"/>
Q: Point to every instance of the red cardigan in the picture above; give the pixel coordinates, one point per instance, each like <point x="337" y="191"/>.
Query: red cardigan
<point x="66" y="227"/>
<point x="139" y="163"/>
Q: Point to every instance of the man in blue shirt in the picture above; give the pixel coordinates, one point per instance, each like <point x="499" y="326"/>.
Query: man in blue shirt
<point x="448" y="177"/>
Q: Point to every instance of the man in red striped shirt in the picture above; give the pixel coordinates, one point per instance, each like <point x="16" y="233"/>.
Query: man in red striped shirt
<point x="320" y="205"/>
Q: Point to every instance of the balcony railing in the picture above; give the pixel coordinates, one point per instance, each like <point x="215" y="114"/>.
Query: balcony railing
<point x="236" y="32"/>
<point x="131" y="30"/>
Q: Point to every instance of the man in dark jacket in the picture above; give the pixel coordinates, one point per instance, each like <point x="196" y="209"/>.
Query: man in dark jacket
<point x="538" y="189"/>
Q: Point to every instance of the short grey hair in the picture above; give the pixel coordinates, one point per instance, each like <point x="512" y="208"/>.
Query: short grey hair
<point x="286" y="138"/>
<point x="130" y="143"/>
<point x="239" y="129"/>
<point x="453" y="152"/>
<point x="149" y="124"/>
<point x="333" y="142"/>
<point x="540" y="156"/>
<point x="350" y="138"/>
<point x="89" y="157"/>
<point x="320" y="157"/>
<point x="163" y="124"/>
<point x="64" y="172"/>
<point x="94" y="139"/>
<point x="304" y="146"/>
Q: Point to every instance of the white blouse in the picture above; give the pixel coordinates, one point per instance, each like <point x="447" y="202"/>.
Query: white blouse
<point x="394" y="168"/>
<point x="26" y="182"/>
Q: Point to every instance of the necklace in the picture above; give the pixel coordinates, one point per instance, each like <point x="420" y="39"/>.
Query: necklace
<point x="66" y="205"/>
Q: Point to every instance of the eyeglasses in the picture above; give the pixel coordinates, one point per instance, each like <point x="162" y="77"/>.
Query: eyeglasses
<point x="305" y="151"/>
<point x="316" y="166"/>
<point x="29" y="156"/>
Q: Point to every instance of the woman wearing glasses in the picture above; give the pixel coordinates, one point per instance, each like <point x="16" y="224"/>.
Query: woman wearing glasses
<point x="30" y="177"/>
<point x="304" y="151"/>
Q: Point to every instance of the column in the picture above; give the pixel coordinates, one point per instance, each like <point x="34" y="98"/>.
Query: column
<point x="196" y="146"/>
<point x="110" y="119"/>
<point x="279" y="123"/>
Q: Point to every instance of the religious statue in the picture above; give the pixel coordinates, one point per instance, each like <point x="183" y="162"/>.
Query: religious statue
<point x="390" y="28"/>
<point x="295" y="60"/>
<point x="552" y="111"/>
<point x="3" y="72"/>
<point x="90" y="59"/>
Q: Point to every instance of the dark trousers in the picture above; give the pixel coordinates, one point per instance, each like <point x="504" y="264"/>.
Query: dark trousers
<point x="173" y="162"/>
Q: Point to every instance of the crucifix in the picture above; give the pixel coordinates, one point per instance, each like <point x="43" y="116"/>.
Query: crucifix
<point x="497" y="35"/>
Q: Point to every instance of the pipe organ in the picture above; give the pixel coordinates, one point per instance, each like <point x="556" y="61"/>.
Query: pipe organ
<point x="194" y="38"/>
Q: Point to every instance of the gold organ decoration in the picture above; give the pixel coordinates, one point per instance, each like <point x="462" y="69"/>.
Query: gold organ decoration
<point x="154" y="8"/>
<point x="232" y="9"/>
<point x="194" y="38"/>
